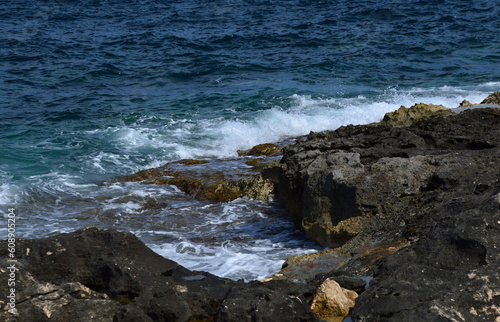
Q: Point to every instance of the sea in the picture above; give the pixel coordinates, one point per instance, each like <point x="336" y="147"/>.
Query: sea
<point x="91" y="90"/>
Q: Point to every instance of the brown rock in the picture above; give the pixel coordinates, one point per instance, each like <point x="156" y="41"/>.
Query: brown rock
<point x="331" y="300"/>
<point x="191" y="162"/>
<point x="465" y="103"/>
<point x="405" y="116"/>
<point x="492" y="99"/>
<point x="206" y="183"/>
<point x="264" y="149"/>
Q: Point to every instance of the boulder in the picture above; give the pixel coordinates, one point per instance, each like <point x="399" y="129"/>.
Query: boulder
<point x="331" y="300"/>
<point x="465" y="103"/>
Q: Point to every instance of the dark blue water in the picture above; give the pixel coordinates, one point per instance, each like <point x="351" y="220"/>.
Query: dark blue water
<point x="95" y="89"/>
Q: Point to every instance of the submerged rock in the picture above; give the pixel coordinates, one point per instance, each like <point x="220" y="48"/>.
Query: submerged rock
<point x="262" y="149"/>
<point x="105" y="275"/>
<point x="215" y="180"/>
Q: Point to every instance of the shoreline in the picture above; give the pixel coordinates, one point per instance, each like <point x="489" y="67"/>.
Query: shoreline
<point x="411" y="194"/>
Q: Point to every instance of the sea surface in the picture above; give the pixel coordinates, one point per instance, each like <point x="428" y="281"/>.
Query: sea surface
<point x="91" y="90"/>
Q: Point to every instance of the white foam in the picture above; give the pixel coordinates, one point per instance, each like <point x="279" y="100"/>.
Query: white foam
<point x="223" y="137"/>
<point x="230" y="260"/>
<point x="153" y="141"/>
<point x="8" y="195"/>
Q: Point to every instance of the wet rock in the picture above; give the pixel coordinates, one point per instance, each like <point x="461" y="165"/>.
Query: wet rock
<point x="105" y="275"/>
<point x="262" y="149"/>
<point x="331" y="300"/>
<point x="209" y="180"/>
<point x="192" y="162"/>
<point x="492" y="99"/>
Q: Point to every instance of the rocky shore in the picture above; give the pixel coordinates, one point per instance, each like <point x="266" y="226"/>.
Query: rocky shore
<point x="409" y="209"/>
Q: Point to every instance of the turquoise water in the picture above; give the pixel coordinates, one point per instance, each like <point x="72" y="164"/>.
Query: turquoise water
<point x="96" y="89"/>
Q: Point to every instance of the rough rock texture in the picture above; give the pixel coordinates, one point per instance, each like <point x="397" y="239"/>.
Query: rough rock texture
<point x="405" y="116"/>
<point x="209" y="180"/>
<point x="104" y="275"/>
<point x="415" y="207"/>
<point x="379" y="175"/>
<point x="331" y="300"/>
<point x="262" y="149"/>
<point x="492" y="99"/>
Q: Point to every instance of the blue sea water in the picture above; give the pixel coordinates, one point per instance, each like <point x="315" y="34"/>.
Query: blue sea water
<point x="91" y="90"/>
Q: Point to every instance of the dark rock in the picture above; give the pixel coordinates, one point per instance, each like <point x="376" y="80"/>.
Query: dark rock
<point x="105" y="275"/>
<point x="258" y="303"/>
<point x="450" y="275"/>
<point x="361" y="177"/>
<point x="416" y="207"/>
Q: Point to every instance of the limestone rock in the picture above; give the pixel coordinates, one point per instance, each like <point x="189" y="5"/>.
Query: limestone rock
<point x="492" y="99"/>
<point x="199" y="179"/>
<point x="382" y="174"/>
<point x="405" y="116"/>
<point x="465" y="103"/>
<point x="332" y="300"/>
<point x="262" y="149"/>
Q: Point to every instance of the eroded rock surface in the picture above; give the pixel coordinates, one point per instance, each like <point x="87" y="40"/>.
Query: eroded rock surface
<point x="215" y="180"/>
<point x="384" y="175"/>
<point x="415" y="207"/>
<point x="105" y="275"/>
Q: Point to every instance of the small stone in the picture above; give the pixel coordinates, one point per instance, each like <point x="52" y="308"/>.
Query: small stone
<point x="332" y="300"/>
<point x="465" y="103"/>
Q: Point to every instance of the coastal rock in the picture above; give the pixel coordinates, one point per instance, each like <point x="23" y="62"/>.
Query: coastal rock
<point x="405" y="116"/>
<point x="383" y="175"/>
<point x="423" y="204"/>
<point x="465" y="103"/>
<point x="258" y="303"/>
<point x="208" y="180"/>
<point x="451" y="274"/>
<point x="264" y="149"/>
<point x="492" y="99"/>
<point x="331" y="300"/>
<point x="105" y="275"/>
